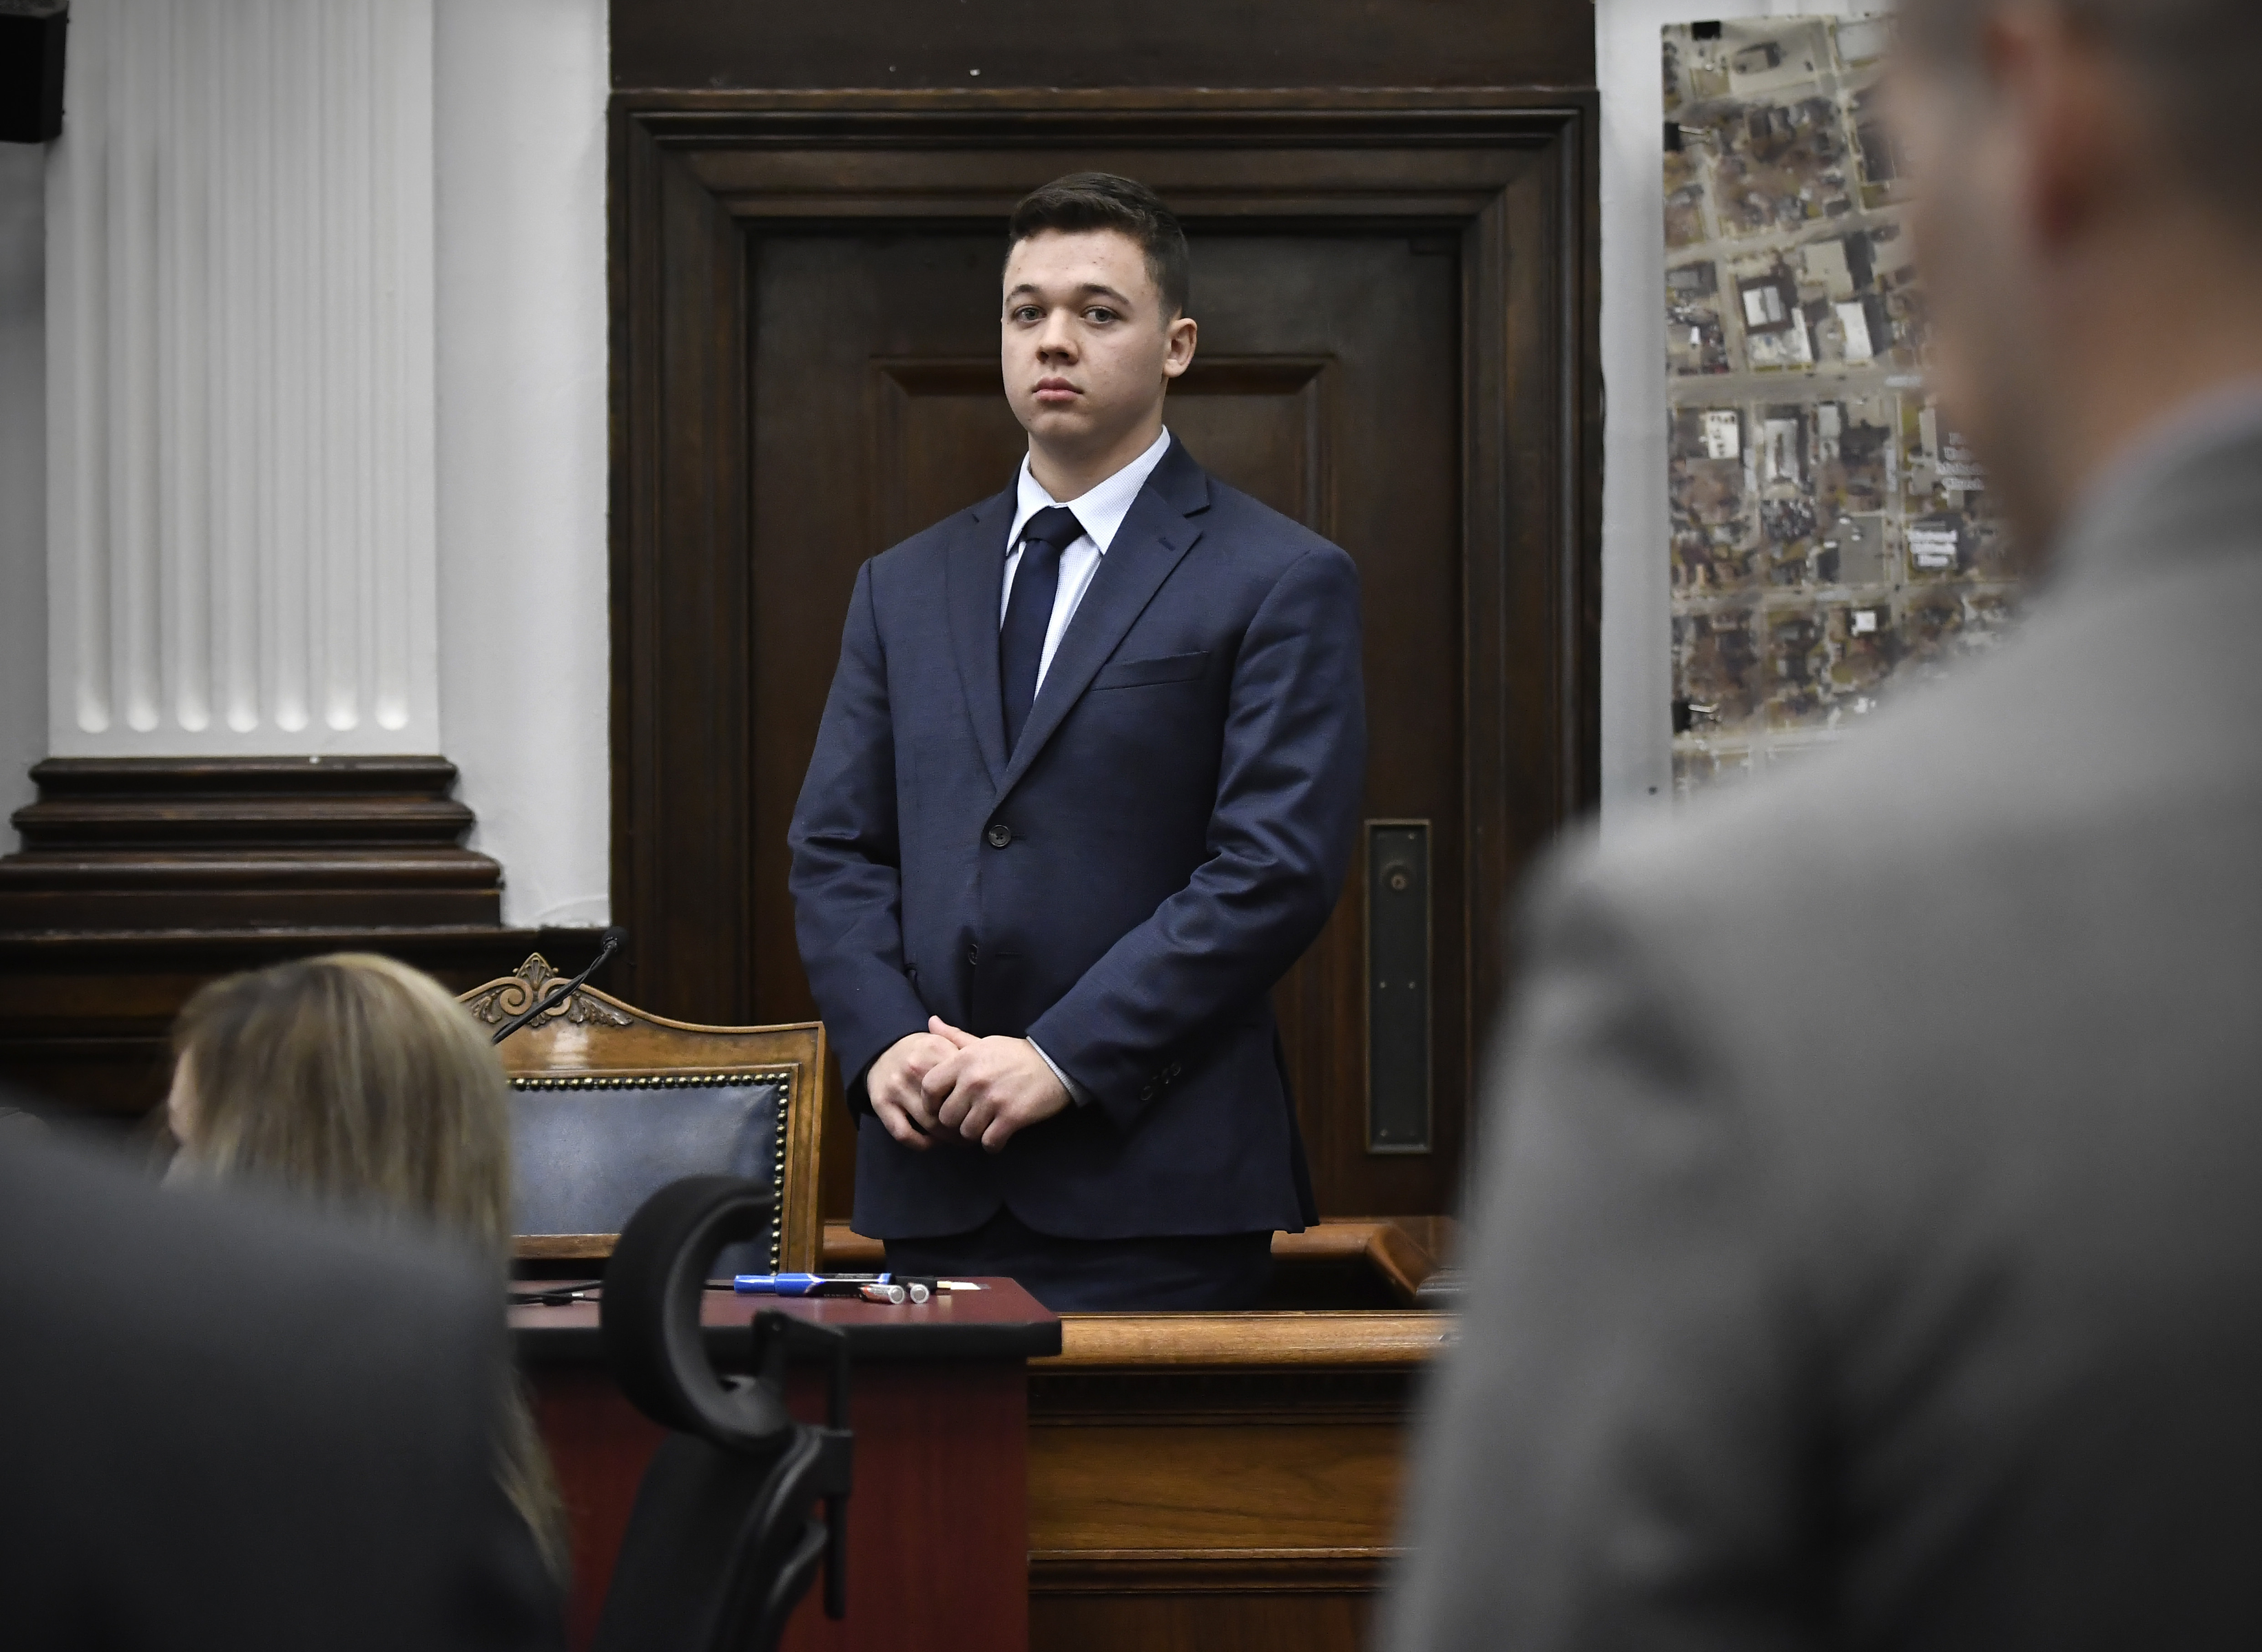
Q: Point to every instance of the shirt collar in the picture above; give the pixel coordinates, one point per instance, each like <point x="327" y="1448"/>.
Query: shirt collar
<point x="1100" y="511"/>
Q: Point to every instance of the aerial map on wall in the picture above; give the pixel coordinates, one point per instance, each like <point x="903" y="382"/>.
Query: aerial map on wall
<point x="1832" y="539"/>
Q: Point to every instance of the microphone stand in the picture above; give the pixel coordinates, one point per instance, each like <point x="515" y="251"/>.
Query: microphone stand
<point x="557" y="995"/>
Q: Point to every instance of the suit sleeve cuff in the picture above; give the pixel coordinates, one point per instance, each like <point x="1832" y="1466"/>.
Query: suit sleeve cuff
<point x="1077" y="1093"/>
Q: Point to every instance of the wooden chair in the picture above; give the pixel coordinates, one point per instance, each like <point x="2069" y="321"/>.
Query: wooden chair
<point x="609" y="1102"/>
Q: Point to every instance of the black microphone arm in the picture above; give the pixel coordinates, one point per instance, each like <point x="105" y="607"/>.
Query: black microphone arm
<point x="558" y="995"/>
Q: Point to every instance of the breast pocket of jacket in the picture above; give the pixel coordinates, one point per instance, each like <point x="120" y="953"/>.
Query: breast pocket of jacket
<point x="1147" y="674"/>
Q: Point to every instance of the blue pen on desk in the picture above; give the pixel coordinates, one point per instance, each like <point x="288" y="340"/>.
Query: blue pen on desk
<point x="796" y="1284"/>
<point x="873" y="1287"/>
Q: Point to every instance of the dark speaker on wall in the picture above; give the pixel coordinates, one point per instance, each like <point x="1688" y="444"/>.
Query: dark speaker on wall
<point x="32" y="70"/>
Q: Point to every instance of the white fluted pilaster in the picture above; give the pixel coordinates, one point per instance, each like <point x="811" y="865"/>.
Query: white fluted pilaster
<point x="239" y="325"/>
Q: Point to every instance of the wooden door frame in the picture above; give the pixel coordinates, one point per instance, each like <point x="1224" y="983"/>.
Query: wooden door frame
<point x="1512" y="169"/>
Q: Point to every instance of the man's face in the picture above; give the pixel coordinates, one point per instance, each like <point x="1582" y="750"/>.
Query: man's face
<point x="1990" y="143"/>
<point x="1086" y="349"/>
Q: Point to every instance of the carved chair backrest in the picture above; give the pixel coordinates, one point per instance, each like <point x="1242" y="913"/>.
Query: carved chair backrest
<point x="609" y="1103"/>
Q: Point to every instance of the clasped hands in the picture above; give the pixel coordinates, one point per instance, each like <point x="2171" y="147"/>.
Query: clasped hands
<point x="947" y="1081"/>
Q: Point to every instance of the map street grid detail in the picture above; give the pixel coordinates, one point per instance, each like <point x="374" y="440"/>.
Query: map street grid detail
<point x="1832" y="539"/>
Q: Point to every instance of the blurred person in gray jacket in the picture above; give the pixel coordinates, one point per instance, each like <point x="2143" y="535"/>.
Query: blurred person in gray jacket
<point x="1869" y="1247"/>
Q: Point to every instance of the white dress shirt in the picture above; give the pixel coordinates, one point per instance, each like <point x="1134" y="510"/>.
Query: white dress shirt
<point x="1099" y="512"/>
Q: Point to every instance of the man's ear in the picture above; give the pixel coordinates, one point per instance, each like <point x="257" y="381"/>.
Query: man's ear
<point x="2072" y="107"/>
<point x="1180" y="354"/>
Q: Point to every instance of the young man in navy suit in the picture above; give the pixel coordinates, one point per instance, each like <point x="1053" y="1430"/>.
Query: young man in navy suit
<point x="1086" y="787"/>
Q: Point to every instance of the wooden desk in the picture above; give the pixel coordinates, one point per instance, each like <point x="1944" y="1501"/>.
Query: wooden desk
<point x="938" y="1522"/>
<point x="1226" y="1481"/>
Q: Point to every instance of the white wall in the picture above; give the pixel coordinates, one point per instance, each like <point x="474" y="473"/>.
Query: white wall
<point x="1636" y="574"/>
<point x="524" y="686"/>
<point x="22" y="477"/>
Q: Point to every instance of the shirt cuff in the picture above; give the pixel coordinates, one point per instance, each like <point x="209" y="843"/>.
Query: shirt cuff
<point x="1077" y="1093"/>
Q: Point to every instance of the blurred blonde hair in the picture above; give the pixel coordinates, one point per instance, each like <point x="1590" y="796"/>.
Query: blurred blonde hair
<point x="362" y="1082"/>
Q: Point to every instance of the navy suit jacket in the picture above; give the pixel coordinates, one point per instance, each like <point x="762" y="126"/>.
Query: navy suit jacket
<point x="1124" y="887"/>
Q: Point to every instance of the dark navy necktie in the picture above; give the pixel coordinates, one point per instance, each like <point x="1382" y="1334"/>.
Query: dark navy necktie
<point x="1029" y="612"/>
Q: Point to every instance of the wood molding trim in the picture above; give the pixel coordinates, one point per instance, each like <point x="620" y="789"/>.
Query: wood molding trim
<point x="563" y="1247"/>
<point x="1217" y="1571"/>
<point x="153" y="845"/>
<point x="909" y="43"/>
<point x="1509" y="170"/>
<point x="1269" y="1341"/>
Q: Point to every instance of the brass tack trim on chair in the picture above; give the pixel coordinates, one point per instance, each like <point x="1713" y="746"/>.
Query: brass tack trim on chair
<point x="779" y="1137"/>
<point x="657" y="1081"/>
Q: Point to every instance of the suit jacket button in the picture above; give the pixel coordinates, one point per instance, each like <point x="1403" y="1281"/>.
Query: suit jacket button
<point x="999" y="834"/>
<point x="973" y="954"/>
<point x="1147" y="1094"/>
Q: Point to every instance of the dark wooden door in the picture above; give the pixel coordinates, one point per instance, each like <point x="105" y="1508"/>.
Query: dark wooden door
<point x="1398" y="299"/>
<point x="1327" y="383"/>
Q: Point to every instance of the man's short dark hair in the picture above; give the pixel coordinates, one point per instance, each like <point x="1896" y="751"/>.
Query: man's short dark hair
<point x="1101" y="200"/>
<point x="2195" y="59"/>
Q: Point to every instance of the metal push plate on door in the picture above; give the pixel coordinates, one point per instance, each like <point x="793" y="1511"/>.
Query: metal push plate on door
<point x="1397" y="987"/>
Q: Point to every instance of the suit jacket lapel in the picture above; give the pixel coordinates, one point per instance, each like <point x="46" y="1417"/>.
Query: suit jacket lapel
<point x="1155" y="537"/>
<point x="974" y="576"/>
